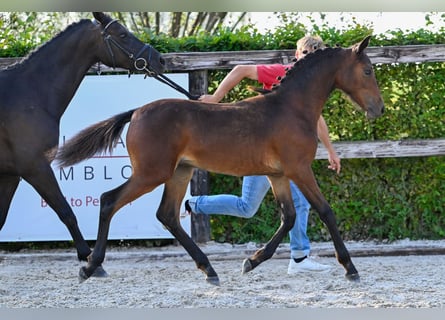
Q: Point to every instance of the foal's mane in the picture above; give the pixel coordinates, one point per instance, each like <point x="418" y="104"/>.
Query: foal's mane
<point x="304" y="68"/>
<point x="49" y="43"/>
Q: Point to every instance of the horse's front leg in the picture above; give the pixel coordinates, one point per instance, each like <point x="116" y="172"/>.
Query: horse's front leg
<point x="46" y="185"/>
<point x="8" y="186"/>
<point x="168" y="215"/>
<point x="281" y="190"/>
<point x="309" y="187"/>
<point x="327" y="216"/>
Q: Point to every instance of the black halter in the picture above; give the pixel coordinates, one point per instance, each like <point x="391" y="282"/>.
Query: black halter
<point x="141" y="64"/>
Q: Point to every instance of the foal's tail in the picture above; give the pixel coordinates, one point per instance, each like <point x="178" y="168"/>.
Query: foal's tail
<point x="96" y="139"/>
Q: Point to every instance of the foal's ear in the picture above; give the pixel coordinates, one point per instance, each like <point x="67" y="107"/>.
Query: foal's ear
<point x="101" y="17"/>
<point x="359" y="47"/>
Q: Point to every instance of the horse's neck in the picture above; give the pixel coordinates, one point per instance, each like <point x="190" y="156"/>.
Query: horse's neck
<point x="58" y="67"/>
<point x="310" y="92"/>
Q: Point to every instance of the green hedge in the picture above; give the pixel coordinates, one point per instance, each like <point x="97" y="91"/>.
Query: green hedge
<point x="373" y="198"/>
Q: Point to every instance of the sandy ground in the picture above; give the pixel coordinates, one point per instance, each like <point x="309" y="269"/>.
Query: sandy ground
<point x="166" y="278"/>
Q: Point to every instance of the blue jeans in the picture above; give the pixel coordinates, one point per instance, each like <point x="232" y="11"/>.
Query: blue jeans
<point x="254" y="190"/>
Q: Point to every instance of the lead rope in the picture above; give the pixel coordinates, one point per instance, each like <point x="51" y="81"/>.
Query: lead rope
<point x="164" y="79"/>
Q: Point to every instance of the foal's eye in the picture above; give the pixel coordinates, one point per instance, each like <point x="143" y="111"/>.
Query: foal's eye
<point x="304" y="52"/>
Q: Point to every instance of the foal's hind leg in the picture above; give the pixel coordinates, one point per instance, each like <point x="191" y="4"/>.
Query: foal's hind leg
<point x="110" y="202"/>
<point x="281" y="190"/>
<point x="168" y="214"/>
<point x="8" y="186"/>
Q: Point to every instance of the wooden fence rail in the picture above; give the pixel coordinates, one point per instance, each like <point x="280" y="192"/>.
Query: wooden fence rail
<point x="189" y="61"/>
<point x="193" y="61"/>
<point x="385" y="149"/>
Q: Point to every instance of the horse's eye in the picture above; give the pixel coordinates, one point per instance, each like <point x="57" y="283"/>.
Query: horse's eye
<point x="123" y="35"/>
<point x="368" y="72"/>
<point x="304" y="52"/>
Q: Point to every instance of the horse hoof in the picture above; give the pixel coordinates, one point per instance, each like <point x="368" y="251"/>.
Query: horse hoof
<point x="353" y="277"/>
<point x="82" y="275"/>
<point x="247" y="266"/>
<point x="213" y="280"/>
<point x="99" y="273"/>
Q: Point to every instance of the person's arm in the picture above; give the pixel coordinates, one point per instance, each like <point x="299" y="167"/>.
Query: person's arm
<point x="323" y="135"/>
<point x="231" y="80"/>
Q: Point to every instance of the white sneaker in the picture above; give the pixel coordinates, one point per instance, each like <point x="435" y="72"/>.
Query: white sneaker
<point x="307" y="265"/>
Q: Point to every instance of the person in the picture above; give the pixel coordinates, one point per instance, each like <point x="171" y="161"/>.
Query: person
<point x="254" y="188"/>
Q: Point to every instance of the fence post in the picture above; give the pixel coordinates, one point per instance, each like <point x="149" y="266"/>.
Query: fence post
<point x="200" y="224"/>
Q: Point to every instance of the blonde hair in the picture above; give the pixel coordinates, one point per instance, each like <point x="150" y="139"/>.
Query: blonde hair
<point x="310" y="43"/>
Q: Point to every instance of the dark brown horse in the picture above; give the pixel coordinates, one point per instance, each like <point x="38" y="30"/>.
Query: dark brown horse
<point x="273" y="134"/>
<point x="35" y="93"/>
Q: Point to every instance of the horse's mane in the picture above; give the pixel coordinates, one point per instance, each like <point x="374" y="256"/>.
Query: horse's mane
<point x="300" y="66"/>
<point x="48" y="43"/>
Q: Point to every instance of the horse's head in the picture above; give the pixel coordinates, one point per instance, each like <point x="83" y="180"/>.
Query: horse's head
<point x="357" y="79"/>
<point x="122" y="49"/>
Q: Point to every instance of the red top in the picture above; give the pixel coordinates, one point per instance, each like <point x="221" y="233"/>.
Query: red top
<point x="268" y="74"/>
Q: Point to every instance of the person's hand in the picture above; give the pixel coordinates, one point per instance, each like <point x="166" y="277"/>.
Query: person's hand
<point x="334" y="162"/>
<point x="208" y="98"/>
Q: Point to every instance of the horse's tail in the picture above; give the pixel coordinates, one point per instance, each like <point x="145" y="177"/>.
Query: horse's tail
<point x="95" y="139"/>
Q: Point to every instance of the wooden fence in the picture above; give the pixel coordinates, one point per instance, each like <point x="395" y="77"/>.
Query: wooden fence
<point x="197" y="64"/>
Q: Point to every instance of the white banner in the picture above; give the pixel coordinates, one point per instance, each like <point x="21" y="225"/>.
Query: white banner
<point x="98" y="97"/>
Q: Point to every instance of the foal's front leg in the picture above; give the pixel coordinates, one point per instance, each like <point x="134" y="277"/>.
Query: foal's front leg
<point x="281" y="190"/>
<point x="309" y="187"/>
